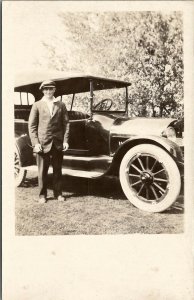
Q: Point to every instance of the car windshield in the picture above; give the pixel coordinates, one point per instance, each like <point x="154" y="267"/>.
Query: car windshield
<point x="77" y="102"/>
<point x="109" y="100"/>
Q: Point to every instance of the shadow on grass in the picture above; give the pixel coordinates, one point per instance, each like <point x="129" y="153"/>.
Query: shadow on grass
<point x="102" y="187"/>
<point x="177" y="207"/>
<point x="76" y="186"/>
<point x="30" y="182"/>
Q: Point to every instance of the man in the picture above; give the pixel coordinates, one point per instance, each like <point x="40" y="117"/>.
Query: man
<point x="49" y="132"/>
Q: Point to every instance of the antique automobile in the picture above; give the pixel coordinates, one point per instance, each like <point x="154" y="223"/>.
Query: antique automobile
<point x="144" y="153"/>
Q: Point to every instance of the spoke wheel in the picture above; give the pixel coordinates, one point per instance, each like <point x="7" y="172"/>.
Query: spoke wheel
<point x="19" y="172"/>
<point x="150" y="178"/>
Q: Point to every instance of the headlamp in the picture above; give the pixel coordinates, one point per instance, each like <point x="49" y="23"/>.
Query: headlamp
<point x="170" y="133"/>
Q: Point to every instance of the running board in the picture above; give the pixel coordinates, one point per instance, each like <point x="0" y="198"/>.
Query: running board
<point x="80" y="173"/>
<point x="82" y="166"/>
<point x="88" y="158"/>
<point x="87" y="163"/>
<point x="76" y="173"/>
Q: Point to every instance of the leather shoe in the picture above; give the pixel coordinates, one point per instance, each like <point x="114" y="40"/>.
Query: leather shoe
<point x="61" y="198"/>
<point x="42" y="200"/>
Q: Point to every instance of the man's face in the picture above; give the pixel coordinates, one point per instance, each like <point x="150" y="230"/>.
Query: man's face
<point x="49" y="92"/>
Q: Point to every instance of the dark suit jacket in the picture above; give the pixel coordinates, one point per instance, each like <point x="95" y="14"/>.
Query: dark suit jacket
<point x="47" y="130"/>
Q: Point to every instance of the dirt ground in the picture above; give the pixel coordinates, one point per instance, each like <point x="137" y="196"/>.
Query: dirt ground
<point x="91" y="207"/>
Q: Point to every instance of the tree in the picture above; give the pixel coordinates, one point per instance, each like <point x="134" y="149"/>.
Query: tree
<point x="145" y="48"/>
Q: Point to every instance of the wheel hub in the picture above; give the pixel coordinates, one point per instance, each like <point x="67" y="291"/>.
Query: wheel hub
<point x="147" y="178"/>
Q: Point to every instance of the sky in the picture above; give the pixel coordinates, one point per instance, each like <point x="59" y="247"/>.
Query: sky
<point x="35" y="21"/>
<point x="32" y="24"/>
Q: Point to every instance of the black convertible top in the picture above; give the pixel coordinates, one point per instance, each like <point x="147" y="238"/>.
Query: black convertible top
<point x="66" y="83"/>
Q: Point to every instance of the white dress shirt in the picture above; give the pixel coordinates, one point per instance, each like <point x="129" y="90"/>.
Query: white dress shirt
<point x="50" y="104"/>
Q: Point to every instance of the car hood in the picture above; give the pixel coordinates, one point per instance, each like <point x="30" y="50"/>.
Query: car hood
<point x="140" y="126"/>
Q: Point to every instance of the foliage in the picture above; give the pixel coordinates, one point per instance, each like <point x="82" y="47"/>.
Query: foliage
<point x="145" y="48"/>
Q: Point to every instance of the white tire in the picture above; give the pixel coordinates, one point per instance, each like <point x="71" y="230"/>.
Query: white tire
<point x="19" y="172"/>
<point x="150" y="178"/>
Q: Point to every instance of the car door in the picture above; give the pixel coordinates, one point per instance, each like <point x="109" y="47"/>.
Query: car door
<point x="98" y="134"/>
<point x="78" y="118"/>
<point x="77" y="137"/>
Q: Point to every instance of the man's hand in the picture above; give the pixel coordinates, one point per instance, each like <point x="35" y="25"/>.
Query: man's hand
<point x="38" y="148"/>
<point x="65" y="146"/>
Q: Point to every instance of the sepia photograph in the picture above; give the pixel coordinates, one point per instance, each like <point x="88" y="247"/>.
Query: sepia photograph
<point x="95" y="155"/>
<point x="111" y="152"/>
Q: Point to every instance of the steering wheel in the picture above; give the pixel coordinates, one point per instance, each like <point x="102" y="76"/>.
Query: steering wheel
<point x="105" y="104"/>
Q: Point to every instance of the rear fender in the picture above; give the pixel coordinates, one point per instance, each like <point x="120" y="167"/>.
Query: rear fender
<point x="25" y="150"/>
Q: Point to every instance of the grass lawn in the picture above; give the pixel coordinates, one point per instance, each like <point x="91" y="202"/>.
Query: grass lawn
<point x="91" y="207"/>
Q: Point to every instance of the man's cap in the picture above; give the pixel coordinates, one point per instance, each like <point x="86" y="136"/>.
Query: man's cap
<point x="47" y="83"/>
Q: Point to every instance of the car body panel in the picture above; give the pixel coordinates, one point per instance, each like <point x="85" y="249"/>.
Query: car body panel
<point x="25" y="150"/>
<point x="119" y="143"/>
<point x="139" y="126"/>
<point x="77" y="135"/>
<point x="98" y="134"/>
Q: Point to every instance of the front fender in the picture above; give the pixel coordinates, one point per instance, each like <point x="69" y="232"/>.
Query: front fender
<point x="119" y="146"/>
<point x="25" y="150"/>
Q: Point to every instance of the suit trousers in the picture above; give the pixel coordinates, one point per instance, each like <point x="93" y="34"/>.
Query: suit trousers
<point x="55" y="157"/>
